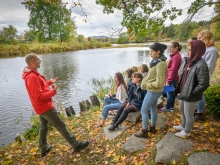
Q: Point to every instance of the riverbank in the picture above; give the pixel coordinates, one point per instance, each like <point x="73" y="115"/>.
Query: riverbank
<point x="40" y="48"/>
<point x="205" y="137"/>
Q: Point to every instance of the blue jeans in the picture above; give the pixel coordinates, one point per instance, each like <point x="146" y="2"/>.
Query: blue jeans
<point x="171" y="96"/>
<point x="201" y="105"/>
<point x="149" y="103"/>
<point x="108" y="100"/>
<point x="110" y="104"/>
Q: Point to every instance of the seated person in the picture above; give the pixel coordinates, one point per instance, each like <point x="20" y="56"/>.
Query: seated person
<point x="144" y="69"/>
<point x="115" y="102"/>
<point x="133" y="102"/>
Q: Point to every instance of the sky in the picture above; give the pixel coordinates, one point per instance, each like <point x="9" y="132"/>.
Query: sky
<point x="15" y="14"/>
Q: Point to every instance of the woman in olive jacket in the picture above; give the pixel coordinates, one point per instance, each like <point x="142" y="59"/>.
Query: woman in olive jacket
<point x="194" y="82"/>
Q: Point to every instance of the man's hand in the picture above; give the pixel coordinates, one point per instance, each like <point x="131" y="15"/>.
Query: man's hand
<point x="53" y="80"/>
<point x="54" y="87"/>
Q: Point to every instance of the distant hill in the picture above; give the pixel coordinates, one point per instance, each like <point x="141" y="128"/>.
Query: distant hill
<point x="97" y="37"/>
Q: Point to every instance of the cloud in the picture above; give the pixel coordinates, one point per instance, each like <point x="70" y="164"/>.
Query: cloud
<point x="12" y="12"/>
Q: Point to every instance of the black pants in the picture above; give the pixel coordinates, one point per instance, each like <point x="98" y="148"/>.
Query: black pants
<point x="123" y="112"/>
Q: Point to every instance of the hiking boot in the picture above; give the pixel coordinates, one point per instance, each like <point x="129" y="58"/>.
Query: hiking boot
<point x="142" y="134"/>
<point x="152" y="130"/>
<point x="81" y="146"/>
<point x="178" y="127"/>
<point x="198" y="116"/>
<point x="113" y="127"/>
<point x="182" y="134"/>
<point x="46" y="152"/>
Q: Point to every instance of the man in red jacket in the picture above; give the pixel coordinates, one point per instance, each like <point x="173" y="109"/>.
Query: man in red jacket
<point x="41" y="98"/>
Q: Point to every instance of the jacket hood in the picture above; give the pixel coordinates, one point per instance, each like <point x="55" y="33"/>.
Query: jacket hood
<point x="198" y="49"/>
<point x="27" y="70"/>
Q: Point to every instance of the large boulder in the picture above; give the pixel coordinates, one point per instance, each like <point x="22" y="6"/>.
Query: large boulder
<point x="134" y="144"/>
<point x="171" y="147"/>
<point x="204" y="158"/>
<point x="134" y="116"/>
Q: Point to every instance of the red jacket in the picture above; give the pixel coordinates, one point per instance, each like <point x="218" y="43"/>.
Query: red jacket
<point x="173" y="67"/>
<point x="38" y="90"/>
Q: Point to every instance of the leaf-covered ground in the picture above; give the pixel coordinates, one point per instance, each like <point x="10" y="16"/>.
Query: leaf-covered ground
<point x="205" y="136"/>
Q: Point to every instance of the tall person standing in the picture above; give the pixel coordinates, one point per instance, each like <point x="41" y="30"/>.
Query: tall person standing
<point x="172" y="75"/>
<point x="40" y="96"/>
<point x="153" y="83"/>
<point x="210" y="57"/>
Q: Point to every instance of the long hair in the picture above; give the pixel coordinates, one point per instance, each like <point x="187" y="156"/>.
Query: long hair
<point x="120" y="81"/>
<point x="129" y="71"/>
<point x="207" y="37"/>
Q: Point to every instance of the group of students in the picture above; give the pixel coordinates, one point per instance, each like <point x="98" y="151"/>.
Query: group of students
<point x="139" y="94"/>
<point x="189" y="75"/>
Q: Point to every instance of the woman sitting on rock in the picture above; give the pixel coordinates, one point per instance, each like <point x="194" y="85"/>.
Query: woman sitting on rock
<point x="133" y="102"/>
<point x="113" y="103"/>
<point x="144" y="69"/>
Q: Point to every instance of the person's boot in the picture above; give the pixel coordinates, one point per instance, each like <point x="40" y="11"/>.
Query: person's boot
<point x="152" y="129"/>
<point x="113" y="127"/>
<point x="198" y="116"/>
<point x="142" y="134"/>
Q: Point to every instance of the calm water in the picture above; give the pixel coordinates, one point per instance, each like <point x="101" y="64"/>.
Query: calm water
<point x="74" y="70"/>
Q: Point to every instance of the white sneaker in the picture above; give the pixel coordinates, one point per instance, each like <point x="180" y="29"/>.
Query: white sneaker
<point x="178" y="127"/>
<point x="182" y="134"/>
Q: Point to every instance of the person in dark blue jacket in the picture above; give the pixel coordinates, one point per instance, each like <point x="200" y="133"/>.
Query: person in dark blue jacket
<point x="133" y="102"/>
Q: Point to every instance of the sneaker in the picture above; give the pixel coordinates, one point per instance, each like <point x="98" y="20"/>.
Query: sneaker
<point x="172" y="109"/>
<point x="165" y="110"/>
<point x="81" y="146"/>
<point x="46" y="152"/>
<point x="178" y="127"/>
<point x="198" y="116"/>
<point x="182" y="134"/>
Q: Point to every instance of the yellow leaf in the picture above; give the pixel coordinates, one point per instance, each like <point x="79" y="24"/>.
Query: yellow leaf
<point x="212" y="130"/>
<point x="33" y="150"/>
<point x="206" y="124"/>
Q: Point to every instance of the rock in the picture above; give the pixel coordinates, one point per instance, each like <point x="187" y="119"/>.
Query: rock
<point x="204" y="158"/>
<point x="171" y="147"/>
<point x="160" y="123"/>
<point x="113" y="134"/>
<point x="134" y="144"/>
<point x="88" y="104"/>
<point x="133" y="116"/>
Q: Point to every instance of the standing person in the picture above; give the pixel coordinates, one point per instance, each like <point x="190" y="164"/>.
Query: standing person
<point x="41" y="98"/>
<point x="144" y="69"/>
<point x="210" y="58"/>
<point x="120" y="97"/>
<point x="153" y="83"/>
<point x="194" y="82"/>
<point x="184" y="60"/>
<point x="172" y="75"/>
<point x="133" y="102"/>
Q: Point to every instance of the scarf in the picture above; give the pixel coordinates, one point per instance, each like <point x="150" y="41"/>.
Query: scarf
<point x="157" y="60"/>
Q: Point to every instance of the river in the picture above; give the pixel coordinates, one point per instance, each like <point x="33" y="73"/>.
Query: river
<point x="74" y="71"/>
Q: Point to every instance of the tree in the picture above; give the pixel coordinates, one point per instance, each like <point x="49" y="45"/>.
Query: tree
<point x="171" y="31"/>
<point x="8" y="34"/>
<point x="50" y="19"/>
<point x="138" y="13"/>
<point x="123" y="38"/>
<point x="80" y="38"/>
<point x="30" y="35"/>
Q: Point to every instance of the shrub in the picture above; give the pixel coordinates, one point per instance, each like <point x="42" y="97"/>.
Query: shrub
<point x="212" y="98"/>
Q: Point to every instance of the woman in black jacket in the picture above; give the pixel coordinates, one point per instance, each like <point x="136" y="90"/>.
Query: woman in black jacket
<point x="133" y="102"/>
<point x="194" y="81"/>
